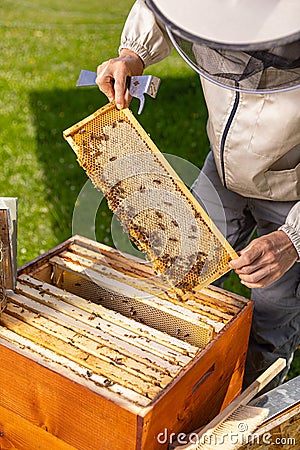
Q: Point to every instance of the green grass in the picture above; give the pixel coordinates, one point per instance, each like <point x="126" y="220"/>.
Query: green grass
<point x="44" y="45"/>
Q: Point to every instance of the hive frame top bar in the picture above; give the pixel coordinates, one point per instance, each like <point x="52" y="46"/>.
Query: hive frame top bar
<point x="110" y="130"/>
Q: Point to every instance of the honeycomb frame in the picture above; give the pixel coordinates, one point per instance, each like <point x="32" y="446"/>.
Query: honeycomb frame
<point x="153" y="204"/>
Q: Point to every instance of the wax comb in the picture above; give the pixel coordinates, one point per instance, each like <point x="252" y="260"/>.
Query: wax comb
<point x="154" y="206"/>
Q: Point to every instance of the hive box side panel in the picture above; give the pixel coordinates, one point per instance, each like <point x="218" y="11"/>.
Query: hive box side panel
<point x="208" y="385"/>
<point x="16" y="432"/>
<point x="64" y="408"/>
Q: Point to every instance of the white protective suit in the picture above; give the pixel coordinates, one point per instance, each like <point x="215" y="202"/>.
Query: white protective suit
<point x="254" y="156"/>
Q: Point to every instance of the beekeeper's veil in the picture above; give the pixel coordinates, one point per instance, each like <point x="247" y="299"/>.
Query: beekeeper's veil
<point x="246" y="45"/>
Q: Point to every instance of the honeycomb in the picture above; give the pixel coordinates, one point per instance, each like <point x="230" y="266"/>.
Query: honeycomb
<point x="155" y="208"/>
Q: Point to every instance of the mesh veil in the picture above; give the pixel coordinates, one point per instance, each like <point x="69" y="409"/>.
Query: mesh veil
<point x="264" y="71"/>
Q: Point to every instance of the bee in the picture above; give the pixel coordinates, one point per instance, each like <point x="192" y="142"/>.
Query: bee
<point x="94" y="137"/>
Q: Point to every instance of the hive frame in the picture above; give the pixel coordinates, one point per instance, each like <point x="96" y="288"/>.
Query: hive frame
<point x="110" y="111"/>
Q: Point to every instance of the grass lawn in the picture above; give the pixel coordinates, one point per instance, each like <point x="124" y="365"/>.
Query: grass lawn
<point x="44" y="45"/>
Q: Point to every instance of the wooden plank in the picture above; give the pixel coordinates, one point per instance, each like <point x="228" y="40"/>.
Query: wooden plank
<point x="8" y="240"/>
<point x="130" y="268"/>
<point x="53" y="295"/>
<point x="222" y="305"/>
<point x="107" y="116"/>
<point x="224" y="296"/>
<point x="20" y="434"/>
<point x="106" y="340"/>
<point x="130" y="265"/>
<point x="68" y="410"/>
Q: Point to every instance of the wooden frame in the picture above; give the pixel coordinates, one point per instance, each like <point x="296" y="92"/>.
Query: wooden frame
<point x="82" y="136"/>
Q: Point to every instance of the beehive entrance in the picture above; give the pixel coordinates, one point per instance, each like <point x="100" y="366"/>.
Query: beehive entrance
<point x="153" y="204"/>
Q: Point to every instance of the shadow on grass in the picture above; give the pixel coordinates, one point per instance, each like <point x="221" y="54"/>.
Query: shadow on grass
<point x="175" y="120"/>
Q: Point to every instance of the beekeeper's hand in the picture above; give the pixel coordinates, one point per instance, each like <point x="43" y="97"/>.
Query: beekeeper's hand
<point x="265" y="260"/>
<point x="112" y="75"/>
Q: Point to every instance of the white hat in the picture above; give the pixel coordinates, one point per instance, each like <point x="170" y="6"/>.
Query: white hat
<point x="246" y="45"/>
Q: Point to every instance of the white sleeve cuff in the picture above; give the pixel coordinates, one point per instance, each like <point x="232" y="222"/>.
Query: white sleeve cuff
<point x="144" y="35"/>
<point x="293" y="235"/>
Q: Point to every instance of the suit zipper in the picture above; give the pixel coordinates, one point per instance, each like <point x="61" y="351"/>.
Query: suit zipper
<point x="225" y="133"/>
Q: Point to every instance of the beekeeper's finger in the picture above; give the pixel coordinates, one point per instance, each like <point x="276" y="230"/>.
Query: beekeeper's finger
<point x="107" y="73"/>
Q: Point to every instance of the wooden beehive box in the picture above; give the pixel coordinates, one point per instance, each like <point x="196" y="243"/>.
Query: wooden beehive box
<point x="96" y="353"/>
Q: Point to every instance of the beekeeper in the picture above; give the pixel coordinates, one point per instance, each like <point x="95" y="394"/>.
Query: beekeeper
<point x="248" y="56"/>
